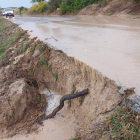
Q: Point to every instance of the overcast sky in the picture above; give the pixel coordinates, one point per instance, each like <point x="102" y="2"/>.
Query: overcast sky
<point x="15" y="3"/>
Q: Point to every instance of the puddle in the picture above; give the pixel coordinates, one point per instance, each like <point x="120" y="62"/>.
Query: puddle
<point x="53" y="101"/>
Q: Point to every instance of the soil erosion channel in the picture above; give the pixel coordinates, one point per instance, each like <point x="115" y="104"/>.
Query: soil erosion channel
<point x="26" y="63"/>
<point x="109" y="44"/>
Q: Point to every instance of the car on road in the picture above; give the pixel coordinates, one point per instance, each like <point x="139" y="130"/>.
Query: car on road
<point x="8" y="12"/>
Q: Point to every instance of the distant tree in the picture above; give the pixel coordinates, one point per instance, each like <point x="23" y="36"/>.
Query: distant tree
<point x="33" y="1"/>
<point x="21" y="9"/>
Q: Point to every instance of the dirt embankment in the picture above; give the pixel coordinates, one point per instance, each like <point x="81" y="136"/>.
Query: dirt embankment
<point x="27" y="63"/>
<point x="114" y="7"/>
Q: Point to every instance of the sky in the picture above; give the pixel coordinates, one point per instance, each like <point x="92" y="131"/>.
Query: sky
<point x="15" y="3"/>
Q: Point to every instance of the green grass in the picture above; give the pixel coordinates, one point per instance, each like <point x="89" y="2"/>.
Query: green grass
<point x="7" y="83"/>
<point x="2" y="28"/>
<point x="50" y="68"/>
<point x="24" y="38"/>
<point x="42" y="48"/>
<point x="56" y="77"/>
<point x="22" y="49"/>
<point x="74" y="138"/>
<point x="123" y="125"/>
<point x="42" y="61"/>
<point x="33" y="48"/>
<point x="2" y="56"/>
<point x="38" y="100"/>
<point x="81" y="99"/>
<point x="73" y="90"/>
<point x="5" y="44"/>
<point x="36" y="71"/>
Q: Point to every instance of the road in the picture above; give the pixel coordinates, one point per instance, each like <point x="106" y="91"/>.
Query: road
<point x="108" y="44"/>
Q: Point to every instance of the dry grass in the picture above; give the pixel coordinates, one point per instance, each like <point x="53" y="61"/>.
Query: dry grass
<point x="123" y="125"/>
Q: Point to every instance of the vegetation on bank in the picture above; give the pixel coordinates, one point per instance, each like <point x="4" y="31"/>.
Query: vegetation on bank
<point x="64" y="6"/>
<point x="122" y="125"/>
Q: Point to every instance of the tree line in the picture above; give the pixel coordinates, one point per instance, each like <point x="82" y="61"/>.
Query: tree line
<point x="65" y="6"/>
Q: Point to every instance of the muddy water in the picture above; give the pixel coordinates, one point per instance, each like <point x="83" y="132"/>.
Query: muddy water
<point x="109" y="44"/>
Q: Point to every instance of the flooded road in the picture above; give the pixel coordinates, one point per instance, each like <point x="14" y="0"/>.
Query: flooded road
<point x="108" y="44"/>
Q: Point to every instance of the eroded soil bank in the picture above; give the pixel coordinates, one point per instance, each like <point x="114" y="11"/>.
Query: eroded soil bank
<point x="26" y="64"/>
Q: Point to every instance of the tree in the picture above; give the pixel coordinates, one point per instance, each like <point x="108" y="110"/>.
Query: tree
<point x="33" y="1"/>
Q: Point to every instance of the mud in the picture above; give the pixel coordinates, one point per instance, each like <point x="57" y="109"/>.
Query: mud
<point x="61" y="74"/>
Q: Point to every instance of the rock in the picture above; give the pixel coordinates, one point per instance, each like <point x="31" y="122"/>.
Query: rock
<point x="14" y="102"/>
<point x="121" y="90"/>
<point x="135" y="99"/>
<point x="36" y="53"/>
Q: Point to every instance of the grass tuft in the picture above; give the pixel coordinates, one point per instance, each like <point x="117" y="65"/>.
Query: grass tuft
<point x="56" y="77"/>
<point x="74" y="138"/>
<point x="2" y="56"/>
<point x="74" y="89"/>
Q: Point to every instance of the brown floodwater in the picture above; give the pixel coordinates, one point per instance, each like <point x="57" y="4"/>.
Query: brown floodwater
<point x="108" y="44"/>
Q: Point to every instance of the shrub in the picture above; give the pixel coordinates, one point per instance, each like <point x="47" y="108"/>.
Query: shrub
<point x="40" y="7"/>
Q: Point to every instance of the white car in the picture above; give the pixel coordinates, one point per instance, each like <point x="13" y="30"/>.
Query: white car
<point x="8" y="12"/>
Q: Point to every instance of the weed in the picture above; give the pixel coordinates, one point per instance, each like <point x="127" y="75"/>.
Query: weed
<point x="5" y="43"/>
<point x="109" y="13"/>
<point x="12" y="39"/>
<point x="28" y="44"/>
<point x="29" y="68"/>
<point x="50" y="68"/>
<point x="2" y="28"/>
<point x="56" y="77"/>
<point x="12" y="65"/>
<point x="42" y="48"/>
<point x="74" y="89"/>
<point x="46" y="67"/>
<point x="75" y="138"/>
<point x="7" y="83"/>
<point x="23" y="38"/>
<point x="129" y="11"/>
<point x="81" y="99"/>
<point x="33" y="48"/>
<point x="42" y="61"/>
<point x="18" y="33"/>
<point x="36" y="70"/>
<point x="12" y="26"/>
<point x="22" y="49"/>
<point x="38" y="100"/>
<point x="2" y="56"/>
<point x="2" y="50"/>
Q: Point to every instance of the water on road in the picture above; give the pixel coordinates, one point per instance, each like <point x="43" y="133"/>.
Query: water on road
<point x="108" y="44"/>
